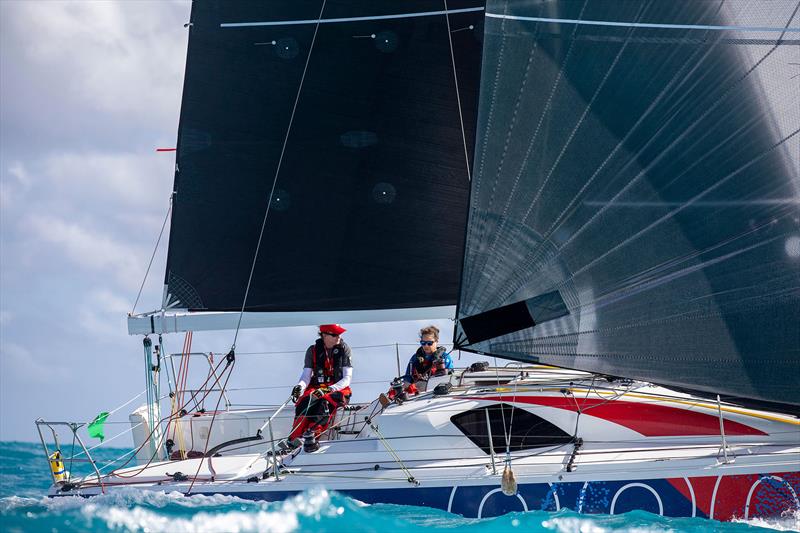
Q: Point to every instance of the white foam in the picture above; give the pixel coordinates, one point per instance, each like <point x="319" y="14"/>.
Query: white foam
<point x="790" y="521"/>
<point x="123" y="510"/>
<point x="15" y="502"/>
<point x="140" y="519"/>
<point x="571" y="524"/>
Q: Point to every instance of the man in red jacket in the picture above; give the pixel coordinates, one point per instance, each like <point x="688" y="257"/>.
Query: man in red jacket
<point x="323" y="387"/>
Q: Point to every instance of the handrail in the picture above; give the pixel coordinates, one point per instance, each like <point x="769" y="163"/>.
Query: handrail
<point x="74" y="427"/>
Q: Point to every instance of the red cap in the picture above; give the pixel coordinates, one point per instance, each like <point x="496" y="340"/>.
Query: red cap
<point x="336" y="329"/>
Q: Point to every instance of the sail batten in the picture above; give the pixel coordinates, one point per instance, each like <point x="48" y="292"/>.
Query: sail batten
<point x="620" y="24"/>
<point x="642" y="159"/>
<point x="348" y="19"/>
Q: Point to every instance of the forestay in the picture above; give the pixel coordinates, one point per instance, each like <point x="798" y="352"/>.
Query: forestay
<point x="634" y="205"/>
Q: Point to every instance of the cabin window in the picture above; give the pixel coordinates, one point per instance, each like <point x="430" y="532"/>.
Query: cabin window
<point x="526" y="429"/>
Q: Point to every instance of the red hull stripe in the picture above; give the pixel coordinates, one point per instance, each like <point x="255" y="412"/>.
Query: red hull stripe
<point x="651" y="420"/>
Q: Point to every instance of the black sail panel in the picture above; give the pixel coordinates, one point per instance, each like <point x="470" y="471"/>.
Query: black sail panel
<point x="369" y="204"/>
<point x="638" y="166"/>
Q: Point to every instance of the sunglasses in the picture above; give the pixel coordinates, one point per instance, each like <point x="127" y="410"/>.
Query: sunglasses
<point x="426" y="343"/>
<point x="330" y="334"/>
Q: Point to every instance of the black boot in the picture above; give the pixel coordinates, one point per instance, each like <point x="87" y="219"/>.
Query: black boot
<point x="310" y="443"/>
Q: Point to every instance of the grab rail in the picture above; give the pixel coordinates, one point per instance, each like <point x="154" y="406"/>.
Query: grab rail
<point x="74" y="427"/>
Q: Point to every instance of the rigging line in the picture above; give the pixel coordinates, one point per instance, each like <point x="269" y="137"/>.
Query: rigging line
<point x="502" y="414"/>
<point x="106" y="441"/>
<point x="458" y="94"/>
<point x="277" y="172"/>
<point x="391" y="451"/>
<point x="208" y="436"/>
<point x="169" y="418"/>
<point x="279" y="352"/>
<point x="101" y="468"/>
<point x="511" y="423"/>
<point x="121" y="406"/>
<point x="150" y="264"/>
<point x="372" y="382"/>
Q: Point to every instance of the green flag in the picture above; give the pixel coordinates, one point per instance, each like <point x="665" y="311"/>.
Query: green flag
<point x="95" y="427"/>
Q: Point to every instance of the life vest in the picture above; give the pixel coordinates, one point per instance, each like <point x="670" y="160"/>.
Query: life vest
<point x="428" y="366"/>
<point x="330" y="364"/>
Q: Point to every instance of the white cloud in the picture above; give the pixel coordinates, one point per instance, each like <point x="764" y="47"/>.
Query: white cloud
<point x="89" y="89"/>
<point x="103" y="313"/>
<point x="19" y="364"/>
<point x="68" y="41"/>
<point x="14" y="184"/>
<point x="17" y="171"/>
<point x="89" y="248"/>
<point x="108" y="301"/>
<point x="122" y="179"/>
<point x="6" y="317"/>
<point x="101" y="324"/>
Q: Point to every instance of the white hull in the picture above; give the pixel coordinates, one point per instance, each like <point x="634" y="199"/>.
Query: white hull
<point x="628" y="446"/>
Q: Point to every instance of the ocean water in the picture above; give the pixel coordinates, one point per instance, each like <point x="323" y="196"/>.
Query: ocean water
<point x="24" y="479"/>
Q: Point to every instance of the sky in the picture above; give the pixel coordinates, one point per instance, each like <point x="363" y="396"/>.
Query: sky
<point x="88" y="91"/>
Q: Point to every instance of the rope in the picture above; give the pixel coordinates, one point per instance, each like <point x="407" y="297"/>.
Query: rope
<point x="177" y="398"/>
<point x="502" y="413"/>
<point x="393" y="453"/>
<point x="231" y="364"/>
<point x="282" y="352"/>
<point x="150" y="264"/>
<point x="169" y="418"/>
<point x="275" y="179"/>
<point x="458" y="94"/>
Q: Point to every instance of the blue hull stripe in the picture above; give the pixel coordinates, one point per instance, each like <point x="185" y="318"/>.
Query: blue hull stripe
<point x="657" y="496"/>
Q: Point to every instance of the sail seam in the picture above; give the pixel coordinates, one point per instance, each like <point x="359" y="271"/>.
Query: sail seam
<point x="643" y="24"/>
<point x="349" y="19"/>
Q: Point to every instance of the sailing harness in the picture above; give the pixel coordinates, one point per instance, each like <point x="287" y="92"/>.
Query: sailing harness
<point x="327" y="367"/>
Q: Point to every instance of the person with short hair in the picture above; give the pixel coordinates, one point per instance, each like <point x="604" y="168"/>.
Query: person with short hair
<point x="430" y="359"/>
<point x="323" y="387"/>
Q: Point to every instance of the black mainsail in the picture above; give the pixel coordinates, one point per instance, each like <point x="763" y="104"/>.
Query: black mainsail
<point x="369" y="204"/>
<point x="635" y="204"/>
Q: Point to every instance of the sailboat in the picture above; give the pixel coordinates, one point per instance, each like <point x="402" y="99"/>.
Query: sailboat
<point x="607" y="192"/>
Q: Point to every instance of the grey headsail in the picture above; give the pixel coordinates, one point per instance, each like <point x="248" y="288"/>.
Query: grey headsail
<point x="369" y="204"/>
<point x="638" y="167"/>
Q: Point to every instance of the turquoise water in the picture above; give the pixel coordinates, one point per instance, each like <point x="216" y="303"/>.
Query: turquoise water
<point x="23" y="507"/>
